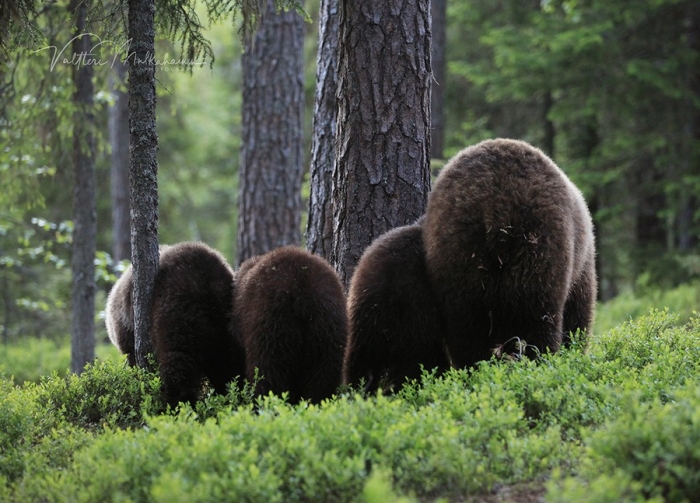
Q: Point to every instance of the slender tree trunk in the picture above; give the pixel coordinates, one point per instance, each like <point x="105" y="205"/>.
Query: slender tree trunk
<point x="319" y="229"/>
<point x="271" y="166"/>
<point x="650" y="231"/>
<point x="8" y="301"/>
<point x="84" y="202"/>
<point x="437" y="127"/>
<point x="687" y="229"/>
<point x="382" y="175"/>
<point x="119" y="170"/>
<point x="548" y="125"/>
<point x="143" y="170"/>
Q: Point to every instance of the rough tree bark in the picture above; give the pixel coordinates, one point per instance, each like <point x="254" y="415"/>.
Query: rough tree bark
<point x="382" y="175"/>
<point x="119" y="169"/>
<point x="84" y="201"/>
<point x="437" y="127"/>
<point x="319" y="229"/>
<point x="143" y="169"/>
<point x="271" y="167"/>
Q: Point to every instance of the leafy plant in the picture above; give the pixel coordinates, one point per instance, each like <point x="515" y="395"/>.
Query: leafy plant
<point x="612" y="420"/>
<point x="649" y="453"/>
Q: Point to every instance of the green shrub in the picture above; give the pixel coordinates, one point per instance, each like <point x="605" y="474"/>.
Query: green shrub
<point x="42" y="425"/>
<point x="682" y="300"/>
<point x="105" y="394"/>
<point x="275" y="452"/>
<point x="589" y="415"/>
<point x="50" y="454"/>
<point x="16" y="421"/>
<point x="649" y="452"/>
<point x="378" y="489"/>
<point x="652" y="354"/>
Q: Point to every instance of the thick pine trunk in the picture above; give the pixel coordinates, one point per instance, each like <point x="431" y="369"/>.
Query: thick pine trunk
<point x="119" y="169"/>
<point x="84" y="203"/>
<point x="271" y="166"/>
<point x="143" y="169"/>
<point x="319" y="229"/>
<point x="382" y="175"/>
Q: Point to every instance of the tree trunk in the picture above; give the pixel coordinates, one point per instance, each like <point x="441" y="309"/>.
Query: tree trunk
<point x="437" y="127"/>
<point x="271" y="166"/>
<point x="119" y="170"/>
<point x="84" y="202"/>
<point x="382" y="175"/>
<point x="143" y="169"/>
<point x="650" y="231"/>
<point x="687" y="228"/>
<point x="548" y="125"/>
<point x="319" y="229"/>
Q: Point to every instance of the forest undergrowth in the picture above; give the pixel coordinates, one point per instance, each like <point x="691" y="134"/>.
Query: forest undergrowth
<point x="616" y="421"/>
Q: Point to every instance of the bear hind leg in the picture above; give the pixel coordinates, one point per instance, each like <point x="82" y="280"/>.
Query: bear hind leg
<point x="181" y="378"/>
<point x="579" y="310"/>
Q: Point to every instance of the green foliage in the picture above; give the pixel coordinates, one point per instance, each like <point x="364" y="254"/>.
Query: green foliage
<point x="199" y="146"/>
<point x="16" y="413"/>
<point x="649" y="453"/>
<point x="42" y="425"/>
<point x="600" y="87"/>
<point x="610" y="422"/>
<point x="106" y="394"/>
<point x="16" y="23"/>
<point x="631" y="304"/>
<point x="378" y="489"/>
<point x="250" y="11"/>
<point x="30" y="358"/>
<point x="198" y="143"/>
<point x="612" y="419"/>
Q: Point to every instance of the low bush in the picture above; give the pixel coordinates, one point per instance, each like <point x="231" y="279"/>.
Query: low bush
<point x="43" y="424"/>
<point x="651" y="452"/>
<point x="613" y="420"/>
<point x="682" y="300"/>
<point x="106" y="394"/>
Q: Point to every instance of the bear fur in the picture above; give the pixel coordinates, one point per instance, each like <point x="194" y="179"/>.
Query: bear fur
<point x="289" y="313"/>
<point x="510" y="251"/>
<point x="190" y="320"/>
<point x="119" y="316"/>
<point x="395" y="321"/>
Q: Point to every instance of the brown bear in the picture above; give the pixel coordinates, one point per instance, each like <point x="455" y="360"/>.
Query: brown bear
<point x="190" y="321"/>
<point x="395" y="321"/>
<point x="289" y="313"/>
<point x="510" y="251"/>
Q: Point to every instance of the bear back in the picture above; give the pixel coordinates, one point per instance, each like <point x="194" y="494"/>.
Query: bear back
<point x="190" y="318"/>
<point x="395" y="321"/>
<point x="509" y="243"/>
<point x="290" y="315"/>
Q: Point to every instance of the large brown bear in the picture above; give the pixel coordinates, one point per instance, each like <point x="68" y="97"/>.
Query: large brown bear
<point x="190" y="321"/>
<point x="395" y="321"/>
<point x="510" y="251"/>
<point x="289" y="313"/>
